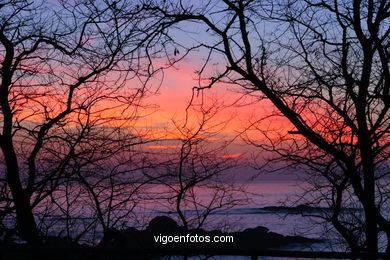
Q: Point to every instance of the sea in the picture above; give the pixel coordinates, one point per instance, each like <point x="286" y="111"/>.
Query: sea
<point x="266" y="203"/>
<point x="271" y="204"/>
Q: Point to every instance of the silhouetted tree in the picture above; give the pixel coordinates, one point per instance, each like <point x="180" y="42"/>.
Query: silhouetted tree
<point x="324" y="65"/>
<point x="102" y="185"/>
<point x="197" y="164"/>
<point x="63" y="72"/>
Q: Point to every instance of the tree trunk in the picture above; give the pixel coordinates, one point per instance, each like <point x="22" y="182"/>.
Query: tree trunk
<point x="370" y="210"/>
<point x="26" y="224"/>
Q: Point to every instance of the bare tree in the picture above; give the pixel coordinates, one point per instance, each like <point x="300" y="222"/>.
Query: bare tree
<point x="196" y="165"/>
<point x="324" y="65"/>
<point x="101" y="186"/>
<point x="64" y="67"/>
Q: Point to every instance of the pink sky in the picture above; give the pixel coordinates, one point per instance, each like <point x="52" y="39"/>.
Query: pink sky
<point x="175" y="93"/>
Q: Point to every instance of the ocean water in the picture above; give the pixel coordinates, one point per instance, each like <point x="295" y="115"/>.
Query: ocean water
<point x="266" y="206"/>
<point x="255" y="213"/>
<point x="252" y="213"/>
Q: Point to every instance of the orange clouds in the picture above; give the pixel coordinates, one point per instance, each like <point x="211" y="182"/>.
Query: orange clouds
<point x="236" y="155"/>
<point x="163" y="146"/>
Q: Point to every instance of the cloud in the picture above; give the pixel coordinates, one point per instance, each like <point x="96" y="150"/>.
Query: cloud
<point x="163" y="146"/>
<point x="236" y="155"/>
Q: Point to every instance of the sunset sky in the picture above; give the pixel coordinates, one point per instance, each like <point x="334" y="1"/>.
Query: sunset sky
<point x="240" y="112"/>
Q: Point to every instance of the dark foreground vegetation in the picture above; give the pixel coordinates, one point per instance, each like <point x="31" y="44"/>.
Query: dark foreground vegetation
<point x="249" y="239"/>
<point x="132" y="243"/>
<point x="98" y="253"/>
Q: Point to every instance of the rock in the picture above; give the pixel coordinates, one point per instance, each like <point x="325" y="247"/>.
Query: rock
<point x="164" y="225"/>
<point x="249" y="239"/>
